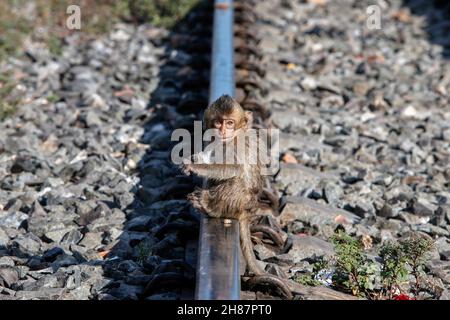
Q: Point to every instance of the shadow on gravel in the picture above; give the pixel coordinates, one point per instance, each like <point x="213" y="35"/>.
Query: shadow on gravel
<point x="156" y="253"/>
<point x="437" y="13"/>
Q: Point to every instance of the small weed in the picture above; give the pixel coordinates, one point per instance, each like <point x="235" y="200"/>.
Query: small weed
<point x="416" y="252"/>
<point x="398" y="274"/>
<point x="314" y="278"/>
<point x="8" y="103"/>
<point x="159" y="12"/>
<point x="53" y="98"/>
<point x="55" y="45"/>
<point x="144" y="251"/>
<point x="6" y="110"/>
<point x="307" y="279"/>
<point x="354" y="271"/>
<point x="393" y="268"/>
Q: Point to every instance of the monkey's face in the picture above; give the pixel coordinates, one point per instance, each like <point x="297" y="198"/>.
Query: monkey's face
<point x="226" y="127"/>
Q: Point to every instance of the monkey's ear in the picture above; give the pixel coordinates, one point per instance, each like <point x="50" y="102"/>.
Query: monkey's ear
<point x="248" y="119"/>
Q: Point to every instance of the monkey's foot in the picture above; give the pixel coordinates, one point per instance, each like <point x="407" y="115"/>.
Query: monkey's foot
<point x="197" y="200"/>
<point x="271" y="198"/>
<point x="272" y="282"/>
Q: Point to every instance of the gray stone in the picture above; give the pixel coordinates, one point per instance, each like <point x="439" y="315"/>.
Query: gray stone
<point x="52" y="254"/>
<point x="445" y="295"/>
<point x="57" y="235"/>
<point x="332" y="193"/>
<point x="300" y="176"/>
<point x="314" y="213"/>
<point x="412" y="219"/>
<point x="127" y="292"/>
<point x="6" y="262"/>
<point x="445" y="255"/>
<point x="262" y="252"/>
<point x="8" y="276"/>
<point x="432" y="230"/>
<point x="292" y="120"/>
<point x="275" y="270"/>
<point x="139" y="223"/>
<point x="388" y="211"/>
<point x="300" y="142"/>
<point x="422" y="207"/>
<point x="91" y="240"/>
<point x="12" y="220"/>
<point x="284" y="259"/>
<point x="166" y="296"/>
<point x="27" y="244"/>
<point x="4" y="239"/>
<point x="42" y="294"/>
<point x="308" y="246"/>
<point x="72" y="237"/>
<point x="82" y="292"/>
<point x="36" y="263"/>
<point x="64" y="260"/>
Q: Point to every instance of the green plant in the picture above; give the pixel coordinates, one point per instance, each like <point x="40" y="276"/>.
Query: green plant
<point x="353" y="270"/>
<point x="312" y="278"/>
<point x="307" y="279"/>
<point x="6" y="110"/>
<point x="52" y="98"/>
<point x="144" y="251"/>
<point x="160" y="12"/>
<point x="8" y="102"/>
<point x="397" y="257"/>
<point x="393" y="268"/>
<point x="55" y="45"/>
<point x="416" y="251"/>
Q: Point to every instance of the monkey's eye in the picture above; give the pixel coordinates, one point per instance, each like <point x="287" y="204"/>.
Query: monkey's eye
<point x="230" y="124"/>
<point x="217" y="123"/>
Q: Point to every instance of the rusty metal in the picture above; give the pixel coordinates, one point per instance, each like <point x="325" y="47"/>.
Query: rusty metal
<point x="243" y="46"/>
<point x="245" y="33"/>
<point x="242" y="62"/>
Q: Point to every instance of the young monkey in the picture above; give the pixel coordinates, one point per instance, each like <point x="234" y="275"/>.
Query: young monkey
<point x="232" y="189"/>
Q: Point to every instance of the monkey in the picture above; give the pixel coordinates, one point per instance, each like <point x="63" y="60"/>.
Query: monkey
<point x="232" y="189"/>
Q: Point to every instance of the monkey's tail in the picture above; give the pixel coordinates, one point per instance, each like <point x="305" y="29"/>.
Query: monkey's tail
<point x="247" y="247"/>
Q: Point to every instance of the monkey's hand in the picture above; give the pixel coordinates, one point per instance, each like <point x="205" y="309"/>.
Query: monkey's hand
<point x="196" y="162"/>
<point x="197" y="200"/>
<point x="187" y="167"/>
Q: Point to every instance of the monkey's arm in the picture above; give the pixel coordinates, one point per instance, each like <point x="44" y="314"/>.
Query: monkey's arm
<point x="216" y="171"/>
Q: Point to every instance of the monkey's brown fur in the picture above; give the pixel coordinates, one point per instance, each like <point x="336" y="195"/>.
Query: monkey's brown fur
<point x="232" y="190"/>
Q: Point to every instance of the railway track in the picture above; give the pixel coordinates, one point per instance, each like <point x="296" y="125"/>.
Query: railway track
<point x="218" y="267"/>
<point x="218" y="274"/>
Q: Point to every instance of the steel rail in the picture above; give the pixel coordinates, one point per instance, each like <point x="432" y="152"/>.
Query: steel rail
<point x="218" y="254"/>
